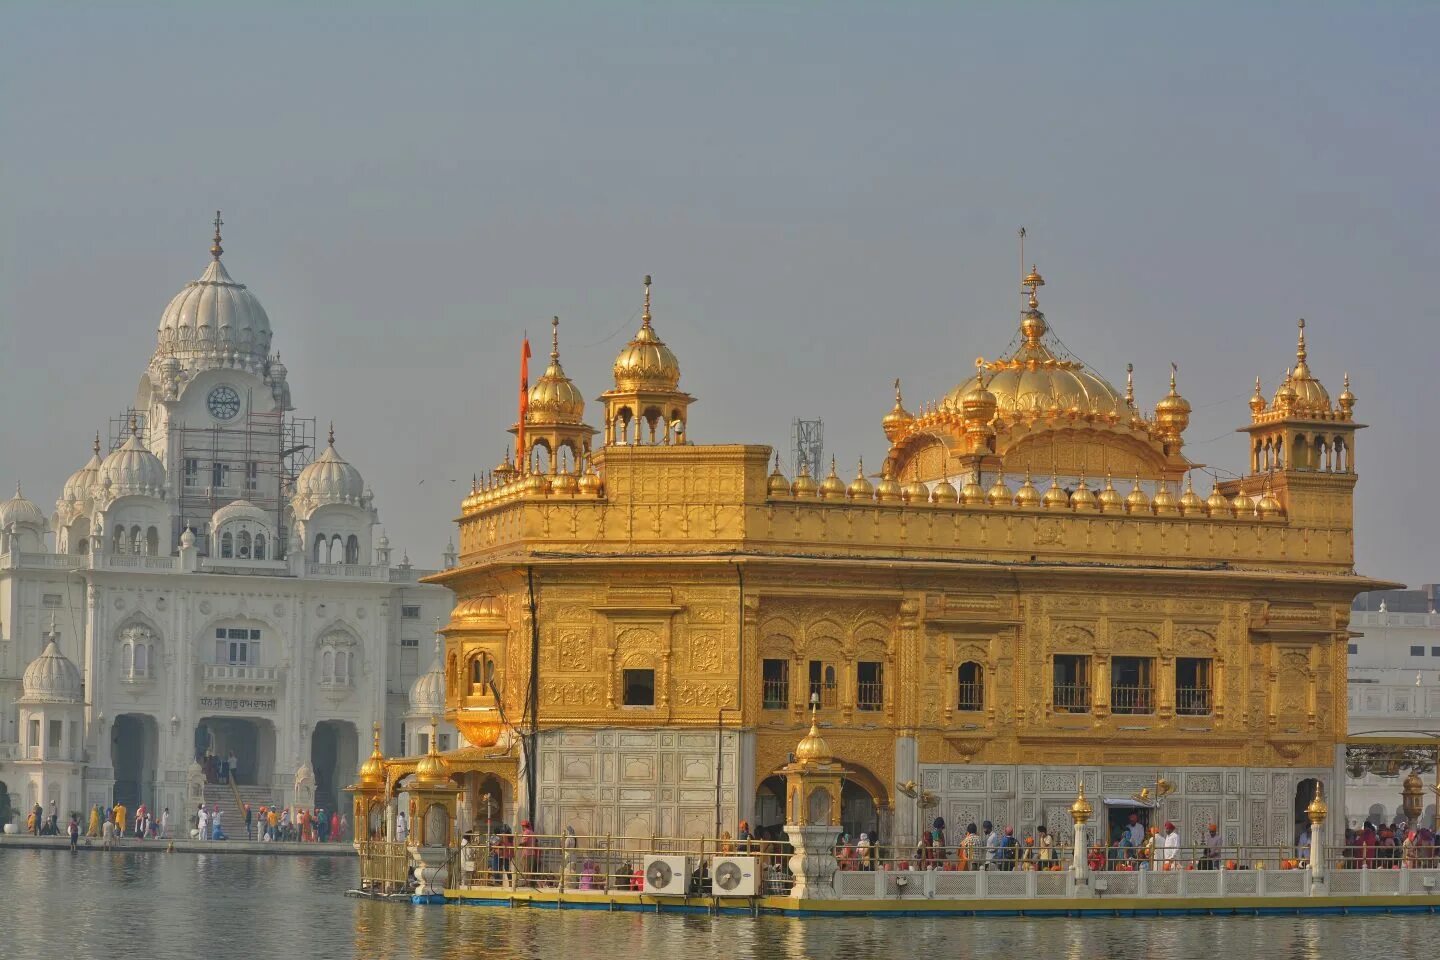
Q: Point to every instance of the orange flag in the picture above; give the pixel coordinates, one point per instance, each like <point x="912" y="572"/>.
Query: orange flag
<point x="524" y="401"/>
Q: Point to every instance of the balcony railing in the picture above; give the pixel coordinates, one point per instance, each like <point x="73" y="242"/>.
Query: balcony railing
<point x="775" y="695"/>
<point x="870" y="696"/>
<point x="239" y="673"/>
<point x="972" y="696"/>
<point x="1072" y="697"/>
<point x="1192" y="701"/>
<point x="1131" y="699"/>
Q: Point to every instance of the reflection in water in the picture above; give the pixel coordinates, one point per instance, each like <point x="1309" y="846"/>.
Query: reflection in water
<point x="154" y="906"/>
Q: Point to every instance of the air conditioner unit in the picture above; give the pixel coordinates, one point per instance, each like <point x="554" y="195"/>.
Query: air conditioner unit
<point x="733" y="876"/>
<point x="665" y="876"/>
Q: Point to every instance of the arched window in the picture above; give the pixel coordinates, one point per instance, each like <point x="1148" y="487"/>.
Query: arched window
<point x="242" y="543"/>
<point x="482" y="674"/>
<point x="142" y="660"/>
<point x="320" y="543"/>
<point x="327" y="666"/>
<point x="352" y="549"/>
<point x="259" y="546"/>
<point x="127" y="661"/>
<point x="342" y="667"/>
<point x="337" y="550"/>
<point x="227" y="545"/>
<point x="336" y="660"/>
<point x="971" y="677"/>
<point x="119" y="541"/>
<point x="152" y="542"/>
<point x="136" y="652"/>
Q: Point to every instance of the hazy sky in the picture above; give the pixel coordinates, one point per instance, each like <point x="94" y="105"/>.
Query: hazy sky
<point x="826" y="194"/>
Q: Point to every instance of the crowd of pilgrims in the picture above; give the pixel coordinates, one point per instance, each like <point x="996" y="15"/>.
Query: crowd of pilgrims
<point x="290" y="824"/>
<point x="1396" y="845"/>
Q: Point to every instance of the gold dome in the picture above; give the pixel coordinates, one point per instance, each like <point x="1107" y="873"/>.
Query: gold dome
<point x="1242" y="504"/>
<point x="483" y="609"/>
<point x="804" y="486"/>
<point x="1165" y="501"/>
<point x="1136" y="501"/>
<point x="898" y="418"/>
<point x="999" y="494"/>
<point x="888" y="488"/>
<point x="1310" y="394"/>
<point x="944" y="492"/>
<point x="372" y="771"/>
<point x="1257" y="400"/>
<point x="860" y="488"/>
<point x="1317" y="810"/>
<point x="590" y="483"/>
<point x="1035" y="381"/>
<point x="1172" y="413"/>
<point x="777" y="485"/>
<point x="1081" y="809"/>
<point x="977" y="404"/>
<point x="433" y="770"/>
<point x="832" y="487"/>
<point x="1285" y="394"/>
<point x="646" y="363"/>
<point x="554" y="398"/>
<point x="565" y="484"/>
<point x="813" y="748"/>
<point x="1109" y="499"/>
<point x="1268" y="506"/>
<point x="1217" y="503"/>
<point x="971" y="492"/>
<point x="1346" y="400"/>
<point x="1082" y="499"/>
<point x="535" y="482"/>
<point x="915" y="492"/>
<point x="1055" y="498"/>
<point x="1027" y="496"/>
<point x="1190" y="502"/>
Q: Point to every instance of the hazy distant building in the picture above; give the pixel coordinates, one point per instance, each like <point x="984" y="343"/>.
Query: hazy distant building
<point x="206" y="583"/>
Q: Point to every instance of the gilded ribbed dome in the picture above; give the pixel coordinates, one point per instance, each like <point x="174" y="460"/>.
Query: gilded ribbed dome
<point x="1083" y="499"/>
<point x="999" y="494"/>
<point x="1257" y="399"/>
<point x="898" y="418"/>
<point x="832" y="487"/>
<point x="1268" y="505"/>
<point x="777" y="485"/>
<point x="372" y="771"/>
<point x="804" y="486"/>
<point x="860" y="488"/>
<point x="1137" y="501"/>
<point x="1217" y="503"/>
<point x="978" y="404"/>
<point x="1311" y="397"/>
<point x="888" y="489"/>
<point x="433" y="770"/>
<point x="482" y="609"/>
<point x="1055" y="498"/>
<point x="329" y="479"/>
<point x="1242" y="505"/>
<point x="915" y="492"/>
<point x="1346" y="400"/>
<point x="1109" y="498"/>
<point x="214" y="318"/>
<point x="132" y="470"/>
<point x="1172" y="412"/>
<point x="813" y="748"/>
<point x="944" y="492"/>
<point x="1035" y="379"/>
<point x="1165" y="501"/>
<point x="971" y="492"/>
<point x="1027" y="496"/>
<point x="590" y="482"/>
<point x="554" y="398"/>
<point x="52" y="677"/>
<point x="646" y="363"/>
<point x="1190" y="502"/>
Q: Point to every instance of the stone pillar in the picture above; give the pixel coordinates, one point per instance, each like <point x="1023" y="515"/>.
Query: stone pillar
<point x="1319" y="849"/>
<point x="813" y="863"/>
<point x="1080" y="812"/>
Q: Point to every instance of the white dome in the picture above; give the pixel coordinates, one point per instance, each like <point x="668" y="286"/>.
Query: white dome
<point x="427" y="693"/>
<point x="21" y="511"/>
<point x="52" y="678"/>
<point x="132" y="470"/>
<point x="329" y="479"/>
<point x="215" y="316"/>
<point x="240" y="510"/>
<point x="78" y="489"/>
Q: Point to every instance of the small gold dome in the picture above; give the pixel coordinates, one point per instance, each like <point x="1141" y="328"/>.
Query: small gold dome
<point x="565" y="484"/>
<point x="372" y="771"/>
<point x="1285" y="394"/>
<point x="554" y="398"/>
<point x="535" y="482"/>
<point x="590" y="483"/>
<point x="860" y="488"/>
<point x="1217" y="503"/>
<point x="1081" y="809"/>
<point x="646" y="363"/>
<point x="1027" y="496"/>
<point x="1346" y="400"/>
<point x="1310" y="394"/>
<point x="1109" y="499"/>
<point x="832" y="487"/>
<point x="977" y="404"/>
<point x="944" y="492"/>
<point x="1190" y="502"/>
<point x="999" y="495"/>
<point x="1172" y="413"/>
<point x="1257" y="399"/>
<point x="1242" y="504"/>
<point x="888" y="489"/>
<point x="1268" y="506"/>
<point x="481" y="609"/>
<point x="898" y="418"/>
<point x="1055" y="498"/>
<point x="804" y="487"/>
<point x="813" y="748"/>
<point x="915" y="492"/>
<point x="971" y="493"/>
<point x="1082" y="500"/>
<point x="1165" y="501"/>
<point x="1136" y="500"/>
<point x="777" y="485"/>
<point x="433" y="770"/>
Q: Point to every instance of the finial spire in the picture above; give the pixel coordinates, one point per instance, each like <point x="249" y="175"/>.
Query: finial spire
<point x="645" y="314"/>
<point x="134" y="425"/>
<point x="1300" y="347"/>
<point x="554" y="339"/>
<point x="1174" y="369"/>
<point x="96" y="446"/>
<point x="1130" y="384"/>
<point x="897" y="390"/>
<point x="215" y="248"/>
<point x="331" y="438"/>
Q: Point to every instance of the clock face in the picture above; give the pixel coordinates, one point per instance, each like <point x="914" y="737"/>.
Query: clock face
<point x="224" y="403"/>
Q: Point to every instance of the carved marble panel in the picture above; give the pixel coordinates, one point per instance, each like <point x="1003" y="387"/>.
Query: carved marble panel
<point x="1202" y="784"/>
<point x="1054" y="781"/>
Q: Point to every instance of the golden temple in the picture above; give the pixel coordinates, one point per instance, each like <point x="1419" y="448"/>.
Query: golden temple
<point x="1031" y="593"/>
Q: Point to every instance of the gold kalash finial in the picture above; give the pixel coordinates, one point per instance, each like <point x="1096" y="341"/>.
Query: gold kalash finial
<point x="215" y="248"/>
<point x="555" y="333"/>
<point x="645" y="314"/>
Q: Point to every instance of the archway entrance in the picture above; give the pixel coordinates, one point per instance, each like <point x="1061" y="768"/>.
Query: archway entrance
<point x="1304" y="793"/>
<point x="491" y="800"/>
<point x="334" y="756"/>
<point x="134" y="746"/>
<point x="250" y="742"/>
<point x="857" y="811"/>
<point x="769" y="805"/>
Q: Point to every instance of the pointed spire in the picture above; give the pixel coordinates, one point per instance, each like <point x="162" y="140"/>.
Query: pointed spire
<point x="645" y="313"/>
<point x="96" y="446"/>
<point x="134" y="425"/>
<point x="1174" y="369"/>
<point x="554" y="339"/>
<point x="331" y="438"/>
<point x="1300" y="347"/>
<point x="215" y="248"/>
<point x="1130" y="384"/>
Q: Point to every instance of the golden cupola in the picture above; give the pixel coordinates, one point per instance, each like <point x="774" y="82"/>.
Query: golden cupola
<point x="804" y="487"/>
<point x="1172" y="416"/>
<point x="898" y="418"/>
<point x="1311" y="397"/>
<point x="554" y="398"/>
<point x="372" y="771"/>
<point x="860" y="488"/>
<point x="554" y="418"/>
<point x="832" y="487"/>
<point x="777" y="485"/>
<point x="432" y="770"/>
<point x="646" y="404"/>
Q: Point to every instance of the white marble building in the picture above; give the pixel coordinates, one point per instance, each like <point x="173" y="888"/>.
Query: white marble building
<point x="1393" y="690"/>
<point x="210" y="582"/>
